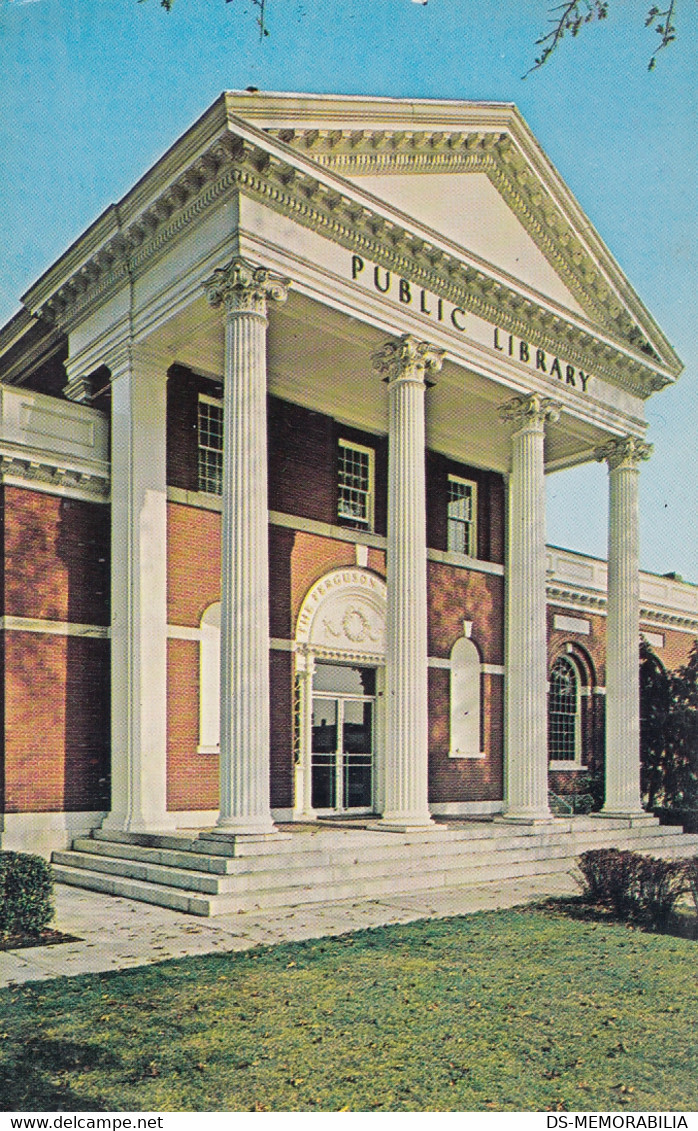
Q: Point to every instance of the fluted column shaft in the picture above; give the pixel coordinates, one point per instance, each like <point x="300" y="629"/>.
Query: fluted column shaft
<point x="526" y="644"/>
<point x="243" y="290"/>
<point x="622" y="790"/>
<point x="406" y="364"/>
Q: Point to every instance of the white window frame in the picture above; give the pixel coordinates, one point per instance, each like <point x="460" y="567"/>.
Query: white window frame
<point x="217" y="403"/>
<point x="358" y="524"/>
<point x="569" y="763"/>
<point x="469" y="525"/>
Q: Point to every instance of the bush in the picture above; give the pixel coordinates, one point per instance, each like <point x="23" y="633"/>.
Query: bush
<point x="633" y="886"/>
<point x="691" y="868"/>
<point x="610" y="878"/>
<point x="660" y="885"/>
<point x="26" y="893"/>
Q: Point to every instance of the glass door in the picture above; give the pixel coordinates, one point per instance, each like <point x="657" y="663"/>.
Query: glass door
<point x="342" y="747"/>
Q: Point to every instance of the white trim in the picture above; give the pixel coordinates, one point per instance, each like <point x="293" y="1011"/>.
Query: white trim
<point x="439" y="662"/>
<point x="279" y="644"/>
<point x="54" y="627"/>
<point x="493" y="669"/>
<point x="469" y="524"/>
<point x="26" y="482"/>
<point x="462" y="561"/>
<point x="183" y="632"/>
<point x="580" y="625"/>
<point x="337" y="533"/>
<point x="465" y="808"/>
<point x="42" y="833"/>
<point x="368" y="523"/>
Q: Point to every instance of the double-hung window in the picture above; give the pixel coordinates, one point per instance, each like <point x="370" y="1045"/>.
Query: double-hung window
<point x="210" y="425"/>
<point x="462" y="516"/>
<point x="355" y="485"/>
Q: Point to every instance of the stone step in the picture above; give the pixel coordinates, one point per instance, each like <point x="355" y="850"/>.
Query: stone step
<point x="328" y="872"/>
<point x="332" y="851"/>
<point x="192" y="902"/>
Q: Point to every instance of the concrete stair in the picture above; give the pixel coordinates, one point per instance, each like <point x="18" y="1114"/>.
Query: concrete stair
<point x="317" y="864"/>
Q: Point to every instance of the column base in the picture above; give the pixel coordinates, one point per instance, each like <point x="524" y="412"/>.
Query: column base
<point x="404" y="824"/>
<point x="528" y="819"/>
<point x="633" y="817"/>
<point x="125" y="823"/>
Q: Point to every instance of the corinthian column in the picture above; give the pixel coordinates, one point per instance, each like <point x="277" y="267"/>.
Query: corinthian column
<point x="622" y="793"/>
<point x="526" y="645"/>
<point x="243" y="290"/>
<point x="406" y="364"/>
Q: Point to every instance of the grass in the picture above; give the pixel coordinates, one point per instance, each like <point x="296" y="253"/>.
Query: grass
<point x="522" y="1011"/>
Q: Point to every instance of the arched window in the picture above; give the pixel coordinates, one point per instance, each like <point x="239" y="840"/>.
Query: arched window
<point x="564" y="713"/>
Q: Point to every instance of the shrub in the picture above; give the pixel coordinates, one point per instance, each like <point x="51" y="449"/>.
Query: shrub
<point x="610" y="878"/>
<point x="660" y="884"/>
<point x="633" y="886"/>
<point x="691" y="872"/>
<point x="26" y="891"/>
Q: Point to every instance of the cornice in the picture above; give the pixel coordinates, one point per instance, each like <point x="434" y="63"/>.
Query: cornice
<point x="584" y="600"/>
<point x="296" y="185"/>
<point x="46" y="472"/>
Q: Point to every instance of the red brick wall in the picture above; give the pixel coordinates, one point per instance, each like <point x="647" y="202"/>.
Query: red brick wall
<point x="56" y="556"/>
<point x="55" y="688"/>
<point x="192" y="778"/>
<point x="56" y="691"/>
<point x="677" y="647"/>
<point x="490" y="506"/>
<point x="464" y="779"/>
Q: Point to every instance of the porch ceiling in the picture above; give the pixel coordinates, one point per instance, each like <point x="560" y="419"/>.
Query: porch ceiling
<point x="321" y="358"/>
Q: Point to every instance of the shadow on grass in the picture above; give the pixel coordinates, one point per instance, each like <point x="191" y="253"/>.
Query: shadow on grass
<point x="31" y="1081"/>
<point x="682" y="924"/>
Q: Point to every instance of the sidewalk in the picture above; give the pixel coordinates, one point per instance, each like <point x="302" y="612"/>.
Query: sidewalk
<point x="116" y="933"/>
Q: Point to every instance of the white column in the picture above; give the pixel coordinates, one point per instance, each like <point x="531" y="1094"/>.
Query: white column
<point x="622" y="792"/>
<point x="138" y="593"/>
<point x="406" y="364"/>
<point x="243" y="290"/>
<point x="526" y="644"/>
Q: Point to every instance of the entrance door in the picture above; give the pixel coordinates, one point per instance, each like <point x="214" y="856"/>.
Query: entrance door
<point x="344" y="700"/>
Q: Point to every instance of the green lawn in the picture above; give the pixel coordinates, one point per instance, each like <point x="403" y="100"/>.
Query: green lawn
<point x="498" y="1011"/>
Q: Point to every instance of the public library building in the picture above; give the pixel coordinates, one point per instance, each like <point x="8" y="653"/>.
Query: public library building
<point x="274" y="434"/>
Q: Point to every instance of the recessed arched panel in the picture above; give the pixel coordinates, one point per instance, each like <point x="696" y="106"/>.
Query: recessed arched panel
<point x="466" y="737"/>
<point x="210" y="680"/>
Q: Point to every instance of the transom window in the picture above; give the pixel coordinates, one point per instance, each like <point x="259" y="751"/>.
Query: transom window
<point x="210" y="445"/>
<point x="355" y="485"/>
<point x="462" y="516"/>
<point x="564" y="730"/>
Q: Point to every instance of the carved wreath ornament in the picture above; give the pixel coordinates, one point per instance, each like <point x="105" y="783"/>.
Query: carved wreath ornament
<point x="355" y="626"/>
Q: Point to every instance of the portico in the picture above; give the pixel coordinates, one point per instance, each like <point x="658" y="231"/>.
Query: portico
<point x="334" y="398"/>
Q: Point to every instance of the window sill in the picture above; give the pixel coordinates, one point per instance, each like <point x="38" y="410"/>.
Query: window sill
<point x="469" y="757"/>
<point x="567" y="766"/>
<point x="208" y="750"/>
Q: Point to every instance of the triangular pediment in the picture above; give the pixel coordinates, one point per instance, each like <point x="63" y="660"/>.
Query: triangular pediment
<point x="467" y="209"/>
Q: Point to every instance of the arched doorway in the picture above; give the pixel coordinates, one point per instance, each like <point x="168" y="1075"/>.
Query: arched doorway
<point x="339" y="669"/>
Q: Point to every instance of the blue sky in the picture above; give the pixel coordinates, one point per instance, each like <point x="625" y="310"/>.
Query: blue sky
<point x="93" y="91"/>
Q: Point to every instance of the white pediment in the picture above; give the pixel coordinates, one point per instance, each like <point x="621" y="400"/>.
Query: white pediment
<point x="467" y="209"/>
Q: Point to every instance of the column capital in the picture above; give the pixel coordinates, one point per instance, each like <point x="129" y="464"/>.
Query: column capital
<point x="407" y="358"/>
<point x="244" y="287"/>
<point x="626" y="452"/>
<point x="533" y="409"/>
